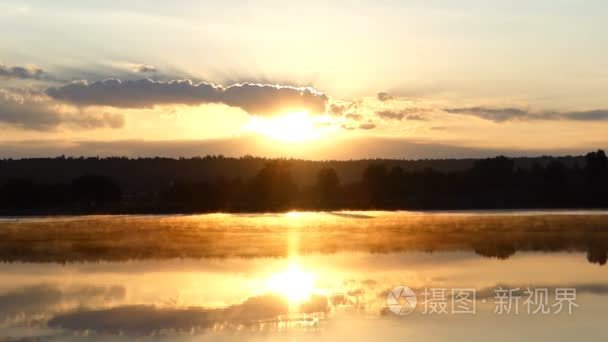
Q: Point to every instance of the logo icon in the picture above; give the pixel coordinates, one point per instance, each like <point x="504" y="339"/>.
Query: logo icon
<point x="401" y="300"/>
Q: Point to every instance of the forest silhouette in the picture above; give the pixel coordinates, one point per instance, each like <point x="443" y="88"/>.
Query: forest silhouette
<point x="218" y="184"/>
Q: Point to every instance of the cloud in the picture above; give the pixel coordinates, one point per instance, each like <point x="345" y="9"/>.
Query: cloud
<point x="354" y="125"/>
<point x="29" y="114"/>
<point x="383" y="96"/>
<point x="260" y="99"/>
<point x="347" y="109"/>
<point x="144" y="68"/>
<point x="401" y="114"/>
<point x="353" y="116"/>
<point x="492" y="114"/>
<point x="366" y="126"/>
<point x="514" y="113"/>
<point x="19" y="72"/>
<point x="392" y="115"/>
<point x="416" y="117"/>
<point x="591" y="115"/>
<point x="336" y="110"/>
<point x="92" y="121"/>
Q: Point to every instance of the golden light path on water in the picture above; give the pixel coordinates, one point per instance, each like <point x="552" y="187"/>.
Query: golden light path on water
<point x="297" y="285"/>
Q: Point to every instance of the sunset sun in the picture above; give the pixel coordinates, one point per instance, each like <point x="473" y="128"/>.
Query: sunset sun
<point x="290" y="127"/>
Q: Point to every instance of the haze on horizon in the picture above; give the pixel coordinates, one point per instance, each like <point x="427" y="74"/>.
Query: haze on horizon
<point x="316" y="80"/>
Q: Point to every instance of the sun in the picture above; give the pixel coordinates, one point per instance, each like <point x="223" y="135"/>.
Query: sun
<point x="291" y="127"/>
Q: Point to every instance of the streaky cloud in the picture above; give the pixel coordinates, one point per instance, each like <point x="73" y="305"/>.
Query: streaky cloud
<point x="591" y="115"/>
<point x="514" y="113"/>
<point x="492" y="114"/>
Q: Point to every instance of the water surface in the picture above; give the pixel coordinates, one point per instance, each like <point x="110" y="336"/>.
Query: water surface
<point x="299" y="276"/>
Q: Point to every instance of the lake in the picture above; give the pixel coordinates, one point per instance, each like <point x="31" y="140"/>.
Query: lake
<point x="301" y="276"/>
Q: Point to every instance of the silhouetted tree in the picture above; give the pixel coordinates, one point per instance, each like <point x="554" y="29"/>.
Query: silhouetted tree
<point x="491" y="180"/>
<point x="20" y="193"/>
<point x="273" y="187"/>
<point x="93" y="189"/>
<point x="557" y="187"/>
<point x="597" y="163"/>
<point x="376" y="183"/>
<point x="328" y="187"/>
<point x="498" y="169"/>
<point x="597" y="177"/>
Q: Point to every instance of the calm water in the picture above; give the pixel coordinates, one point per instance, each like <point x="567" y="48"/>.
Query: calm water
<point x="311" y="293"/>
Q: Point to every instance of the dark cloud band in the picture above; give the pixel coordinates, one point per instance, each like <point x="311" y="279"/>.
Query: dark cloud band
<point x="41" y="116"/>
<point x="261" y="99"/>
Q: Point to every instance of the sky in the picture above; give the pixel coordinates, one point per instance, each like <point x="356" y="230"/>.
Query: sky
<point x="314" y="79"/>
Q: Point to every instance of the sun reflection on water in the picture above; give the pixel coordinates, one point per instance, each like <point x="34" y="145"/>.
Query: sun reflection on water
<point x="294" y="214"/>
<point x="294" y="283"/>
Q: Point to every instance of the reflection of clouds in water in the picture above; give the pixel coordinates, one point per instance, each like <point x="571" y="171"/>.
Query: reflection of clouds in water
<point x="44" y="298"/>
<point x="254" y="312"/>
<point x="145" y="319"/>
<point x="354" y="286"/>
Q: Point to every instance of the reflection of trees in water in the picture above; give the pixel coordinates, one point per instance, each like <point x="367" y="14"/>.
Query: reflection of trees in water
<point x="500" y="250"/>
<point x="597" y="254"/>
<point x="225" y="236"/>
<point x="596" y="251"/>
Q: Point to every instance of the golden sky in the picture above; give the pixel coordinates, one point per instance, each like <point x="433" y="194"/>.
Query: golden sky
<point x="349" y="79"/>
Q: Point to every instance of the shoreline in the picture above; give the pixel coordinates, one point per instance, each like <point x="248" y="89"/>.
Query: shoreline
<point x="342" y="213"/>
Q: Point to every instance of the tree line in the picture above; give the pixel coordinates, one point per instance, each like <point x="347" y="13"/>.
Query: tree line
<point x="491" y="183"/>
